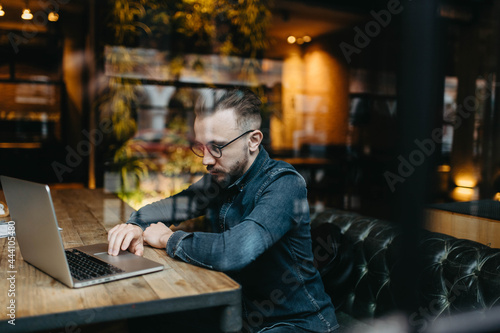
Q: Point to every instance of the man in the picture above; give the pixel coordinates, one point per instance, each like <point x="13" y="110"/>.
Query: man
<point x="259" y="217"/>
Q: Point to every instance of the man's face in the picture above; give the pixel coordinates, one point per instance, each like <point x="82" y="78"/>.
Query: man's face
<point x="220" y="128"/>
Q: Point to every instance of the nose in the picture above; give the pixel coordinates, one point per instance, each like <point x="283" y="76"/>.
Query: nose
<point x="208" y="159"/>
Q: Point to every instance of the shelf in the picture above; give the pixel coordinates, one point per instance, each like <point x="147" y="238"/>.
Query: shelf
<point x="20" y="145"/>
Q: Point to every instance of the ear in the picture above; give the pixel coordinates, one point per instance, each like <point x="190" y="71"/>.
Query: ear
<point x="255" y="140"/>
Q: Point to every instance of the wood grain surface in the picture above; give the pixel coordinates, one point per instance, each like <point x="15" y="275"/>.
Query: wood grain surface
<point x="86" y="216"/>
<point x="479" y="229"/>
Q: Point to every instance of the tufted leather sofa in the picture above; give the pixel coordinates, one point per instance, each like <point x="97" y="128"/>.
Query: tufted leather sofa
<point x="359" y="259"/>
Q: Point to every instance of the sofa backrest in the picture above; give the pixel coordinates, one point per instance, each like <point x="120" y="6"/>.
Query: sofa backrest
<point x="457" y="275"/>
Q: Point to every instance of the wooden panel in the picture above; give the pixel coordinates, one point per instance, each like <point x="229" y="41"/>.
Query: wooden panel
<point x="482" y="230"/>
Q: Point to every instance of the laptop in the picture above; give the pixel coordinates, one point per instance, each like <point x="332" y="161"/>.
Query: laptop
<point x="40" y="241"/>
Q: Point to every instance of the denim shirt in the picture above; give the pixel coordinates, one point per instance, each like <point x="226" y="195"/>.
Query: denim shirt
<point x="260" y="236"/>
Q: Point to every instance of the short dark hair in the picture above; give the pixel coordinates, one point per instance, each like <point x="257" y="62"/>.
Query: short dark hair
<point x="245" y="103"/>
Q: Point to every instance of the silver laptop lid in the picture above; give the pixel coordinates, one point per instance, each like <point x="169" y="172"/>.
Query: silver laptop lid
<point x="37" y="231"/>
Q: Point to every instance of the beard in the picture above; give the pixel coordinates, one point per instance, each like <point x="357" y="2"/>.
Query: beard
<point x="224" y="178"/>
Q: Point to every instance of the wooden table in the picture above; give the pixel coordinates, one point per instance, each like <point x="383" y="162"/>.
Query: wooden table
<point x="475" y="220"/>
<point x="42" y="303"/>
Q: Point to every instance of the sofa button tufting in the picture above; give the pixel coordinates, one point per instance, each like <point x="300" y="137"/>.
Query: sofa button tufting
<point x="451" y="277"/>
<point x="372" y="306"/>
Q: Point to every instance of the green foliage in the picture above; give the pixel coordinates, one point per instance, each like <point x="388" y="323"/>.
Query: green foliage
<point x="116" y="105"/>
<point x="248" y="21"/>
<point x="180" y="158"/>
<point x="226" y="27"/>
<point x="131" y="159"/>
<point x="211" y="26"/>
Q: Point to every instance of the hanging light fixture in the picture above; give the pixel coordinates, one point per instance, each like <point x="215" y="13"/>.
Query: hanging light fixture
<point x="26" y="13"/>
<point x="53" y="16"/>
<point x="2" y="12"/>
<point x="299" y="40"/>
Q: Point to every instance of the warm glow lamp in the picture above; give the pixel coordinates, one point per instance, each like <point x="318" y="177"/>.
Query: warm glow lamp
<point x="53" y="16"/>
<point x="298" y="40"/>
<point x="2" y="12"/>
<point x="444" y="168"/>
<point x="463" y="193"/>
<point x="27" y="13"/>
<point x="466" y="188"/>
<point x="465" y="180"/>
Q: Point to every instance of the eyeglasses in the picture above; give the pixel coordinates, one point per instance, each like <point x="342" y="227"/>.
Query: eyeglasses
<point x="214" y="149"/>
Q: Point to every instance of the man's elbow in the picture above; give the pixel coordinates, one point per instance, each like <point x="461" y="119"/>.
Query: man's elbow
<point x="235" y="261"/>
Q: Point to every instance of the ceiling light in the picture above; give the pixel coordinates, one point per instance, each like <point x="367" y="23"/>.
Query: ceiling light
<point x="298" y="40"/>
<point x="27" y="14"/>
<point x="53" y="16"/>
<point x="2" y="12"/>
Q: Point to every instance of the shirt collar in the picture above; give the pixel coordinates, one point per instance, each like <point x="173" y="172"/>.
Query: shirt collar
<point x="253" y="171"/>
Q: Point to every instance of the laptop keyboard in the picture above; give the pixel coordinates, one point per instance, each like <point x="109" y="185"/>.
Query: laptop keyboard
<point x="84" y="266"/>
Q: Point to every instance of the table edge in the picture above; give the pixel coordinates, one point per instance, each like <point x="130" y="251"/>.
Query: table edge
<point x="228" y="298"/>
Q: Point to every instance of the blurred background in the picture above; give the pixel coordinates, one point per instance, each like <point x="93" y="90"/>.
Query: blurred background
<point x="360" y="96"/>
<point x="387" y="108"/>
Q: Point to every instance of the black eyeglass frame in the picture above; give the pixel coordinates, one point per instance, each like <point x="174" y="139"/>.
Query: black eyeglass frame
<point x="219" y="148"/>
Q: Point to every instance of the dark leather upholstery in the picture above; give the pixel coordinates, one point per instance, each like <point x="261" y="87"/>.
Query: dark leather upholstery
<point x="457" y="275"/>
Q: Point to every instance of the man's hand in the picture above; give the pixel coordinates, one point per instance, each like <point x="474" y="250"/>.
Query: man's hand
<point x="157" y="235"/>
<point x="126" y="236"/>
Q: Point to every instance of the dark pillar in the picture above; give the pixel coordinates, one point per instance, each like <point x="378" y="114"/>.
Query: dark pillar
<point x="419" y="82"/>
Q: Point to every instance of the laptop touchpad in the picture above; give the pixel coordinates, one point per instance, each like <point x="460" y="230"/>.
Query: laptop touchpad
<point x="125" y="260"/>
<point x="123" y="255"/>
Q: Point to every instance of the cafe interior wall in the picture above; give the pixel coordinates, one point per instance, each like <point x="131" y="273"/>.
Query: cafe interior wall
<point x="473" y="61"/>
<point x="319" y="87"/>
<point x="467" y="163"/>
<point x="39" y="52"/>
<point x="315" y="100"/>
<point x="348" y="146"/>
